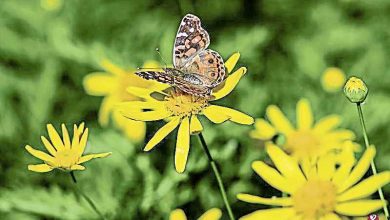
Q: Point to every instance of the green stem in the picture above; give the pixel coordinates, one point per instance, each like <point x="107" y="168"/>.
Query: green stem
<point x="217" y="175"/>
<point x="89" y="200"/>
<point x="373" y="168"/>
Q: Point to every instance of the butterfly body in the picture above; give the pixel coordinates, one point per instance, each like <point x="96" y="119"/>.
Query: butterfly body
<point x="197" y="70"/>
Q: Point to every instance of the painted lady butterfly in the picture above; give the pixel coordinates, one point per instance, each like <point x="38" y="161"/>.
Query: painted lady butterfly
<point x="197" y="70"/>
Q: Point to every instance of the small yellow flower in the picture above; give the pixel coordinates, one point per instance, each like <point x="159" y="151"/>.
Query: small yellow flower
<point x="112" y="84"/>
<point x="308" y="140"/>
<point x="65" y="154"/>
<point x="212" y="214"/>
<point x="182" y="110"/>
<point x="330" y="190"/>
<point x="356" y="90"/>
<point x="333" y="79"/>
<point x="51" y="5"/>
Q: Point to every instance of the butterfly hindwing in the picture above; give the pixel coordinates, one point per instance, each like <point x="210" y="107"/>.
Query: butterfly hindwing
<point x="208" y="64"/>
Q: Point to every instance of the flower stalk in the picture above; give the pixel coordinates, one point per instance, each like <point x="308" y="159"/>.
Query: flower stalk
<point x="89" y="200"/>
<point x="373" y="168"/>
<point x="217" y="175"/>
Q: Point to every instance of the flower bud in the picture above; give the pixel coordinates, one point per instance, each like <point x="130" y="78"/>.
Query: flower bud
<point x="355" y="90"/>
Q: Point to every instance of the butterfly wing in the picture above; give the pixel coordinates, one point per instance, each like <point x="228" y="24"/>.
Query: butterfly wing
<point x="163" y="77"/>
<point x="208" y="65"/>
<point x="191" y="38"/>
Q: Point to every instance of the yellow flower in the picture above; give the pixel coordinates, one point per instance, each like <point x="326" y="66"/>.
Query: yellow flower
<point x="308" y="141"/>
<point x="182" y="110"/>
<point x="333" y="79"/>
<point x="212" y="214"/>
<point x="65" y="154"/>
<point x="328" y="192"/>
<point x="51" y="5"/>
<point x="112" y="85"/>
<point x="356" y="90"/>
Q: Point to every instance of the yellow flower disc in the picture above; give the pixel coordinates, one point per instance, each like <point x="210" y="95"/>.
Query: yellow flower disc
<point x="315" y="199"/>
<point x="183" y="105"/>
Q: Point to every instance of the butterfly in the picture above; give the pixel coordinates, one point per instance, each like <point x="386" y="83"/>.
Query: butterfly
<point x="197" y="70"/>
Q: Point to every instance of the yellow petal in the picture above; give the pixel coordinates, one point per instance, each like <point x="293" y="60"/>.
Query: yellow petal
<point x="359" y="207"/>
<point x="263" y="130"/>
<point x="330" y="216"/>
<point x="342" y="172"/>
<point x="54" y="137"/>
<point x="359" y="170"/>
<point x="229" y="84"/>
<point x="214" y="116"/>
<point x="275" y="213"/>
<point x="40" y="168"/>
<point x="48" y="146"/>
<point x="231" y="114"/>
<point x="366" y="187"/>
<point x="39" y="154"/>
<point x="326" y="167"/>
<point x="106" y="108"/>
<point x="89" y="157"/>
<point x="275" y="201"/>
<point x="76" y="137"/>
<point x="232" y="61"/>
<point x="327" y="124"/>
<point x="162" y="133"/>
<point x="151" y="64"/>
<point x="65" y="136"/>
<point x="177" y="214"/>
<point x="341" y="135"/>
<point x="287" y="166"/>
<point x="272" y="177"/>
<point x="111" y="67"/>
<point x="195" y="125"/>
<point x="148" y="115"/>
<point x="182" y="145"/>
<point x="304" y="115"/>
<point x="212" y="214"/>
<point x="83" y="143"/>
<point x="99" y="84"/>
<point x="134" y="130"/>
<point x="80" y="129"/>
<point x="77" y="167"/>
<point x="309" y="168"/>
<point x="140" y="106"/>
<point x="279" y="120"/>
<point x="141" y="92"/>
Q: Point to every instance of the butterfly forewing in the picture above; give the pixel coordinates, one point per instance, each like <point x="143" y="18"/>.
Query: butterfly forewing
<point x="191" y="38"/>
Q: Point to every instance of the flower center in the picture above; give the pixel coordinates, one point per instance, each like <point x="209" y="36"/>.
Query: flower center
<point x="181" y="104"/>
<point x="315" y="199"/>
<point x="303" y="144"/>
<point x="66" y="158"/>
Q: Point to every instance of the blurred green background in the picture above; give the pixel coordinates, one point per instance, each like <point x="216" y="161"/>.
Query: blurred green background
<point x="46" y="49"/>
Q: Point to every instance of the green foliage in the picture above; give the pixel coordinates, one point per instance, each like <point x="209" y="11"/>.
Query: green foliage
<point x="286" y="45"/>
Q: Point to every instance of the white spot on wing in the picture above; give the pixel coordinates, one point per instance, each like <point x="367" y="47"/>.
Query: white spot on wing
<point x="182" y="34"/>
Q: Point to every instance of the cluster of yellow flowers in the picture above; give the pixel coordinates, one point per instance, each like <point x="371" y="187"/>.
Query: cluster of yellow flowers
<point x="314" y="165"/>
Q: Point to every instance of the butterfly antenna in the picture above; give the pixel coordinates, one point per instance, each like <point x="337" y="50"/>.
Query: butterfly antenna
<point x="158" y="51"/>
